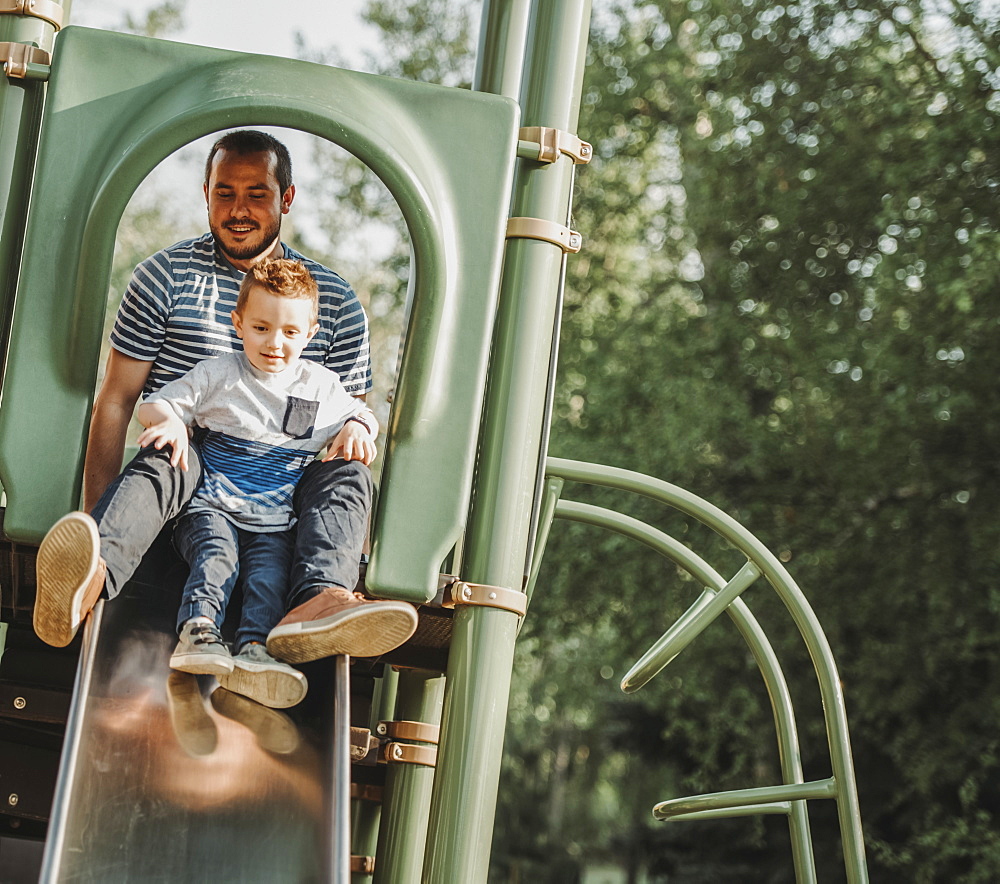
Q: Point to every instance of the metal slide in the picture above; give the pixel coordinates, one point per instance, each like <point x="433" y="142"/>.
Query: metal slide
<point x="165" y="777"/>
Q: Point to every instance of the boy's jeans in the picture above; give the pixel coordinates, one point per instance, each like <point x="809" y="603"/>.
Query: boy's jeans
<point x="331" y="502"/>
<point x="218" y="552"/>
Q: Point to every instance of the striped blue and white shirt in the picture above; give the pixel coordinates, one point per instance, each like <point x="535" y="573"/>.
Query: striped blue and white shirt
<point x="262" y="430"/>
<point x="176" y="312"/>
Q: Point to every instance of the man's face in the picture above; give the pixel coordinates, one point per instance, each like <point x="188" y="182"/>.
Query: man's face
<point x="274" y="330"/>
<point x="245" y="205"/>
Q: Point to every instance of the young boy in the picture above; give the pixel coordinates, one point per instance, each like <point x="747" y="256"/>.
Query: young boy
<point x="261" y="416"/>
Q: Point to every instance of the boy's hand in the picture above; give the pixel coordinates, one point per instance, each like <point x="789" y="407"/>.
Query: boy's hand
<point x="353" y="442"/>
<point x="170" y="431"/>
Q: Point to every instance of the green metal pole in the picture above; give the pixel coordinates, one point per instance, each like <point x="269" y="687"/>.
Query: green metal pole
<point x="502" y="40"/>
<point x="408" y="787"/>
<point x="20" y="114"/>
<point x="481" y="657"/>
<point x="366" y="814"/>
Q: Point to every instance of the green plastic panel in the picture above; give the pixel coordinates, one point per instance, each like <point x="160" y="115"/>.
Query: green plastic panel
<point x="116" y="106"/>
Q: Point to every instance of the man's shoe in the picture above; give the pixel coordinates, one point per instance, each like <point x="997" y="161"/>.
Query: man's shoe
<point x="193" y="726"/>
<point x="257" y="675"/>
<point x="338" y="621"/>
<point x="201" y="650"/>
<point x="274" y="731"/>
<point x="69" y="575"/>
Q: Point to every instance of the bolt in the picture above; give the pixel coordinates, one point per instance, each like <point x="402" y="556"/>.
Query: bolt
<point x="397" y="751"/>
<point x="466" y="592"/>
<point x="493" y="596"/>
<point x="20" y="702"/>
<point x="12" y="799"/>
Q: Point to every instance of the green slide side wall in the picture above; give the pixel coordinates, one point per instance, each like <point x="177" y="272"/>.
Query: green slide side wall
<point x="116" y="106"/>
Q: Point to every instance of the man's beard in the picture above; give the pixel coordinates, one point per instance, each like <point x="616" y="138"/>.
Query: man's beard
<point x="248" y="250"/>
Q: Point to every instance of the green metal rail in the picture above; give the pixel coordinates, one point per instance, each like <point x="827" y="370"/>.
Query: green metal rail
<point x="791" y="796"/>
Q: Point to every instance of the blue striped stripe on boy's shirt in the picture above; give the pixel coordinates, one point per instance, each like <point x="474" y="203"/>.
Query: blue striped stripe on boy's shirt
<point x="253" y="467"/>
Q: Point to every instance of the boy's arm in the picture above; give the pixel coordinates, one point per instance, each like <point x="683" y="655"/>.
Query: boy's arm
<point x="164" y="427"/>
<point x="124" y="379"/>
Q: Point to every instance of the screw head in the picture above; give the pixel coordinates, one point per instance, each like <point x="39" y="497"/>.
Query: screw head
<point x="380" y="728"/>
<point x="20" y="702"/>
<point x="397" y="751"/>
<point x="12" y="799"/>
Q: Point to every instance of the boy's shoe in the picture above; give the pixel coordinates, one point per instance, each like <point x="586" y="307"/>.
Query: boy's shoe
<point x="338" y="621"/>
<point x="201" y="650"/>
<point x="69" y="574"/>
<point x="257" y="675"/>
<point x="274" y="731"/>
<point x="193" y="726"/>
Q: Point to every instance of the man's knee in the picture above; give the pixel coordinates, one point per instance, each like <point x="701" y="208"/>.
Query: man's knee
<point x="330" y="477"/>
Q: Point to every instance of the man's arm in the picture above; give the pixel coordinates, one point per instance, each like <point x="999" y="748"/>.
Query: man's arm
<point x="124" y="379"/>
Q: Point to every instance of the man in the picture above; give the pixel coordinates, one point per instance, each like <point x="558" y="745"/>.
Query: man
<point x="175" y="313"/>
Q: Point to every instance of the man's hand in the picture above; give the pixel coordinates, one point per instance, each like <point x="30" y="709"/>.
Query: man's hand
<point x="169" y="431"/>
<point x="353" y="442"/>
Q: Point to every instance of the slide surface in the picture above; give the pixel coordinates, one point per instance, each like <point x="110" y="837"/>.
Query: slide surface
<point x="165" y="777"/>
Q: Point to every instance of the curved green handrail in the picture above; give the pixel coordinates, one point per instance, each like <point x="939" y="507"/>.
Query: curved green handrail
<point x="821" y="655"/>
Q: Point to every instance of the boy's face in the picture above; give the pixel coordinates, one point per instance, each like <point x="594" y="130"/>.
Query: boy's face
<point x="274" y="330"/>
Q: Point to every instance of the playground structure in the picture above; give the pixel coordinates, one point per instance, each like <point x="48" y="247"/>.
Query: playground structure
<point x="484" y="180"/>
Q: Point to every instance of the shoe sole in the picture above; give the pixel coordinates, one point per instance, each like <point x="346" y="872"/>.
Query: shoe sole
<point x="274" y="731"/>
<point x="202" y="664"/>
<point x="267" y="685"/>
<point x="67" y="560"/>
<point x="365" y="631"/>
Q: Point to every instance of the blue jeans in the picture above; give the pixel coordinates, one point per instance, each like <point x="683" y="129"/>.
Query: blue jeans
<point x="218" y="552"/>
<point x="331" y="503"/>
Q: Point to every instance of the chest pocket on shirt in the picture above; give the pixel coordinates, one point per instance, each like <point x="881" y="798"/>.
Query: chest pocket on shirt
<point x="300" y="418"/>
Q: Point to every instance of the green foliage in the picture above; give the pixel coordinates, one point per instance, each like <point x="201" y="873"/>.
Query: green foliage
<point x="159" y="21"/>
<point x="784" y="307"/>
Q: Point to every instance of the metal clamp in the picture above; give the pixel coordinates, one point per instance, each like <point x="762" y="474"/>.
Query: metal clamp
<point x="362" y="865"/>
<point x="553" y="143"/>
<point x="46" y="10"/>
<point x="409" y="753"/>
<point x="362" y="742"/>
<point x="17" y="56"/>
<point x="462" y="593"/>
<point x="547" y="231"/>
<point x="419" y="731"/>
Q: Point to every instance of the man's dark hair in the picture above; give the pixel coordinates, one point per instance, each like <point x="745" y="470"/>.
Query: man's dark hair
<point x="244" y="141"/>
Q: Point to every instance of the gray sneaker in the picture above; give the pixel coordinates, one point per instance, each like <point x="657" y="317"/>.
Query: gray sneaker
<point x="201" y="650"/>
<point x="260" y="677"/>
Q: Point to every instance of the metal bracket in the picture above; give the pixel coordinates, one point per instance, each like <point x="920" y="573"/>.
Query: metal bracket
<point x="362" y="742"/>
<point x="46" y="10"/>
<point x="362" y="865"/>
<point x="554" y="142"/>
<point x="17" y="56"/>
<point x="409" y="753"/>
<point x="418" y="731"/>
<point x="547" y="231"/>
<point x="462" y="593"/>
